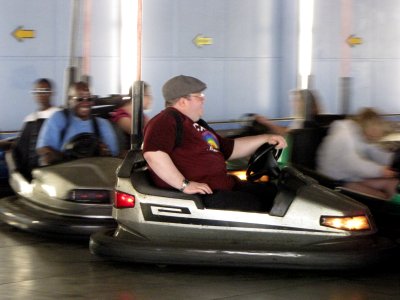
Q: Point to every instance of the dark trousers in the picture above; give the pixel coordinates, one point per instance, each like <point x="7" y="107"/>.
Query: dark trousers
<point x="246" y="196"/>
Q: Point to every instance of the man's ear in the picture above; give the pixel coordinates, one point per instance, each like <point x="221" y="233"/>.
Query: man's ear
<point x="181" y="102"/>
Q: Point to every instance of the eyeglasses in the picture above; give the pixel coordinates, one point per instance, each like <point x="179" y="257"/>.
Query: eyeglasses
<point x="201" y="95"/>
<point x="41" y="91"/>
<point x="80" y="99"/>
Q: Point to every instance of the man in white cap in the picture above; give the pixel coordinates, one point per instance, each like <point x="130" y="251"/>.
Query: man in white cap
<point x="24" y="150"/>
<point x="184" y="153"/>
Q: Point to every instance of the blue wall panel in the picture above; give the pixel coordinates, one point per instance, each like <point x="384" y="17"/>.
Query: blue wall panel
<point x="244" y="65"/>
<point x="374" y="65"/>
<point x="251" y="65"/>
<point x="22" y="62"/>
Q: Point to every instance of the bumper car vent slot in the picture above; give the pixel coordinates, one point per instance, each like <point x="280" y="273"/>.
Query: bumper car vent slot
<point x="90" y="196"/>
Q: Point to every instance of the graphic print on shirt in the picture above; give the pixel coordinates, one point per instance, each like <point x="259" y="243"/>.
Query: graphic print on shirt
<point x="208" y="137"/>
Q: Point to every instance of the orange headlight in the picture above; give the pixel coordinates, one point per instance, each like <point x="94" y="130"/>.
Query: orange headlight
<point x="346" y="223"/>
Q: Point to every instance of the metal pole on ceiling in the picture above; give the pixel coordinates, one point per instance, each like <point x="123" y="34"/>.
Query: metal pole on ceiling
<point x="345" y="80"/>
<point x="87" y="12"/>
<point x="139" y="41"/>
<point x="138" y="88"/>
<point x="70" y="71"/>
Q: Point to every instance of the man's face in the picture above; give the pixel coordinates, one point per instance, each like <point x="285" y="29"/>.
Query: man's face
<point x="194" y="106"/>
<point x="81" y="103"/>
<point x="42" y="94"/>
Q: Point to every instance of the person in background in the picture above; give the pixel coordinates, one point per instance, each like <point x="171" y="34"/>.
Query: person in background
<point x="62" y="126"/>
<point x="24" y="150"/>
<point x="349" y="153"/>
<point x="122" y="116"/>
<point x="305" y="106"/>
<point x="196" y="164"/>
<point x="43" y="91"/>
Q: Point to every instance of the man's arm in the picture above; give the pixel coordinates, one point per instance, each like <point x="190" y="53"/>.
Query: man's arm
<point x="276" y="129"/>
<point x="162" y="164"/>
<point x="48" y="156"/>
<point x="245" y="146"/>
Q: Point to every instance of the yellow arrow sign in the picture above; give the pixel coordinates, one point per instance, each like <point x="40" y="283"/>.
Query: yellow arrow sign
<point x="201" y="40"/>
<point x="20" y="34"/>
<point x="353" y="40"/>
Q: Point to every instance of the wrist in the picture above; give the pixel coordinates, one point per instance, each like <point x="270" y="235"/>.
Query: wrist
<point x="185" y="183"/>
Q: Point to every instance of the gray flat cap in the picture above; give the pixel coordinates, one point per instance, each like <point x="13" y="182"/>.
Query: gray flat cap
<point x="182" y="85"/>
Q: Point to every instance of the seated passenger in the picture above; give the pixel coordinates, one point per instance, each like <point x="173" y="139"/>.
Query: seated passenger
<point x="122" y="116"/>
<point x="305" y="106"/>
<point x="192" y="159"/>
<point x="66" y="124"/>
<point x="24" y="151"/>
<point x="349" y="153"/>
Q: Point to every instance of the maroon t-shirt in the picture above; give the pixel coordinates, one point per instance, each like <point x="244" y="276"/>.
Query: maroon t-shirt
<point x="200" y="156"/>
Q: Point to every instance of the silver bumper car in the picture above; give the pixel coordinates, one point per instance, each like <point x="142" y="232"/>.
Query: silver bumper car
<point x="71" y="199"/>
<point x="308" y="226"/>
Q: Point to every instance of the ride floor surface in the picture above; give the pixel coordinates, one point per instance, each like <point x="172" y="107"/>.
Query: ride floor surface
<point x="34" y="267"/>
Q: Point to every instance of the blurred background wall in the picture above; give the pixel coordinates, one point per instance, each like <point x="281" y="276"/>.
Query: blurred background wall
<point x="245" y="50"/>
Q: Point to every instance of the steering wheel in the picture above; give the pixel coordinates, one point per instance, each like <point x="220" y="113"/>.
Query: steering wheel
<point x="82" y="145"/>
<point x="264" y="162"/>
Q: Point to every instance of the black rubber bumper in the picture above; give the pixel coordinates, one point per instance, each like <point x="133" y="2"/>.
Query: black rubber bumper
<point x="17" y="213"/>
<point x="103" y="244"/>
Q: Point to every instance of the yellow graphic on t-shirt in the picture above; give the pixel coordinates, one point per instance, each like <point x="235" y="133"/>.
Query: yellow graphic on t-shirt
<point x="208" y="137"/>
<point x="211" y="139"/>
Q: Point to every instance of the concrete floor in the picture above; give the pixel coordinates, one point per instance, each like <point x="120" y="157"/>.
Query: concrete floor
<point x="32" y="267"/>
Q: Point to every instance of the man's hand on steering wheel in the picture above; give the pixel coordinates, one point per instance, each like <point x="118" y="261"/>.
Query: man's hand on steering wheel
<point x="264" y="162"/>
<point x="277" y="140"/>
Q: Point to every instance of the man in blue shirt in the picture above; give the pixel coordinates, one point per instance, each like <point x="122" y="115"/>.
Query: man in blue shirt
<point x="62" y="126"/>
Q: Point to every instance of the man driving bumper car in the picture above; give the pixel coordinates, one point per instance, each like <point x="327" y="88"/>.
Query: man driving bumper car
<point x="63" y="126"/>
<point x="308" y="226"/>
<point x="197" y="165"/>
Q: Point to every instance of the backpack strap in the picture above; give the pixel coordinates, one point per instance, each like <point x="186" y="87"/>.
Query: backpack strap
<point x="204" y="124"/>
<point x="179" y="127"/>
<point x="67" y="121"/>
<point x="96" y="127"/>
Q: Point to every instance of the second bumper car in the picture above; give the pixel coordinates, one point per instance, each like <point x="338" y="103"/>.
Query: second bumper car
<point x="69" y="199"/>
